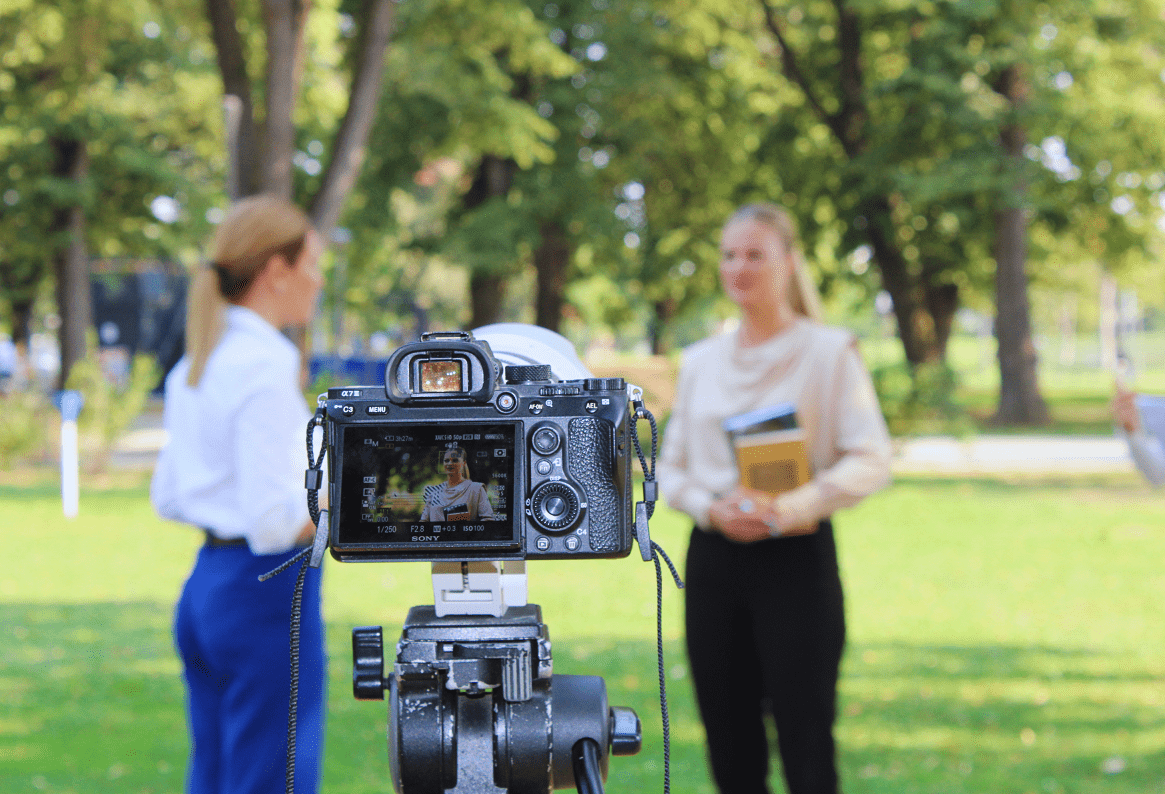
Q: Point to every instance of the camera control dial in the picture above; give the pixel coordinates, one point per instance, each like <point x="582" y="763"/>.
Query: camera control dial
<point x="545" y="440"/>
<point x="530" y="373"/>
<point x="554" y="506"/>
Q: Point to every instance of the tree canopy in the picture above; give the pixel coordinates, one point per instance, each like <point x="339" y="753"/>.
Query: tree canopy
<point x="570" y="162"/>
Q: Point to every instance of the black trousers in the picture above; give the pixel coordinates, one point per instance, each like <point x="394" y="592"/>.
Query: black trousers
<point x="765" y="629"/>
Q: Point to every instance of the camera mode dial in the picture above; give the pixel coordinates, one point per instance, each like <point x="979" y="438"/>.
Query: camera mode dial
<point x="554" y="506"/>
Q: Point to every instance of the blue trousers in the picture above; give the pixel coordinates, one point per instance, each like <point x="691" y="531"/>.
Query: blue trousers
<point x="233" y="634"/>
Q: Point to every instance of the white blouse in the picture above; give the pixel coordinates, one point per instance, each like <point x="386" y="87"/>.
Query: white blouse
<point x="235" y="459"/>
<point x="813" y="366"/>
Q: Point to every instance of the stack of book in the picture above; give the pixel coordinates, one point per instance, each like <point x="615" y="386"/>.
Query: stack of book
<point x="770" y="448"/>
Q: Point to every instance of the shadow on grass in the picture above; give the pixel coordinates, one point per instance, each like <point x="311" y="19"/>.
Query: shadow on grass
<point x="928" y="718"/>
<point x="91" y="701"/>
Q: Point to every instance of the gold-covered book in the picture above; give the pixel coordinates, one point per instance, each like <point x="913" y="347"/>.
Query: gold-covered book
<point x="769" y="448"/>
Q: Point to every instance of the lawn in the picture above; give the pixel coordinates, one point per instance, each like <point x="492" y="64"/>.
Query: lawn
<point x="1005" y="636"/>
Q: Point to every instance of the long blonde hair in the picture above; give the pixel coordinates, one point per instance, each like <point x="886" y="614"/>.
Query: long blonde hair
<point x="255" y="229"/>
<point x="803" y="295"/>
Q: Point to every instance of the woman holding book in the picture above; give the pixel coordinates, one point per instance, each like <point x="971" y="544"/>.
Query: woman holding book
<point x="763" y="592"/>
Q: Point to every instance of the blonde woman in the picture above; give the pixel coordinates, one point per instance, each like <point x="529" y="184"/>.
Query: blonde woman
<point x="764" y="613"/>
<point x="459" y="498"/>
<point x="233" y="469"/>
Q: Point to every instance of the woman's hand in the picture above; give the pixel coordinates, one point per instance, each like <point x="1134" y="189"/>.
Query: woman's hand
<point x="741" y="516"/>
<point x="747" y="515"/>
<point x="1124" y="410"/>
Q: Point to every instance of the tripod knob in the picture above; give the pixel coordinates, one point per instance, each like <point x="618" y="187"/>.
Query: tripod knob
<point x="626" y="735"/>
<point x="368" y="663"/>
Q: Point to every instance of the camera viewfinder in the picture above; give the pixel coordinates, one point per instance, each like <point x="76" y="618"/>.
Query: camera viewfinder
<point x="441" y="377"/>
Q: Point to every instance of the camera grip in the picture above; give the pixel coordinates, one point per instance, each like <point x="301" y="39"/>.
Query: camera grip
<point x="590" y="462"/>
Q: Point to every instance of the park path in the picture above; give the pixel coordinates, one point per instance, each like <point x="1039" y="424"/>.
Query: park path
<point x="983" y="454"/>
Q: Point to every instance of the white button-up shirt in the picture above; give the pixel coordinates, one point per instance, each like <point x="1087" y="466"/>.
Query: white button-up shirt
<point x="236" y="453"/>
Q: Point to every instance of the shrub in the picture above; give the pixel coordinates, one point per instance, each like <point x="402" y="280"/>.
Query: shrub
<point x="920" y="399"/>
<point x="109" y="408"/>
<point x="25" y="419"/>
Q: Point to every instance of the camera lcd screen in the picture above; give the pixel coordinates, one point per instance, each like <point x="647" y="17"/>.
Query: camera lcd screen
<point x="441" y="484"/>
<point x="441" y="377"/>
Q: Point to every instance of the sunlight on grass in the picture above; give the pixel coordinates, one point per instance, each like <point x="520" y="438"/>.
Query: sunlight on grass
<point x="1005" y="636"/>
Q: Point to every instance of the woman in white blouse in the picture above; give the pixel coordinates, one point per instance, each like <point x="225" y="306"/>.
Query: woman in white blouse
<point x="233" y="469"/>
<point x="764" y="613"/>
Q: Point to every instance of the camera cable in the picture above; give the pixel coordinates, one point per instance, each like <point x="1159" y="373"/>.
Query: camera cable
<point x="650" y="493"/>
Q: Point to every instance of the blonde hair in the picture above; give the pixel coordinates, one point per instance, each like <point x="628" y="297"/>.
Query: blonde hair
<point x="462" y="455"/>
<point x="804" y="297"/>
<point x="254" y="230"/>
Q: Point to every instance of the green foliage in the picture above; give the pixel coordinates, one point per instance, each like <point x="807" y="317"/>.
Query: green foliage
<point x="920" y="399"/>
<point x="134" y="85"/>
<point x="109" y="407"/>
<point x="24" y="423"/>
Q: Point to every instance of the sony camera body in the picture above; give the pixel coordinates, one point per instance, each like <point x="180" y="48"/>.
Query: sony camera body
<point x="458" y="457"/>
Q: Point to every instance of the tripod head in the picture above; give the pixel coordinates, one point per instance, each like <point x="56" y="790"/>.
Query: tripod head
<point x="474" y="707"/>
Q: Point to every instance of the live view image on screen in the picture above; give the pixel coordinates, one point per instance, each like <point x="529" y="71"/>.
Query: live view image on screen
<point x="429" y="482"/>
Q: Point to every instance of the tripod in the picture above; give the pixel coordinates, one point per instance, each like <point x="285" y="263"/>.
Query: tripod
<point x="474" y="707"/>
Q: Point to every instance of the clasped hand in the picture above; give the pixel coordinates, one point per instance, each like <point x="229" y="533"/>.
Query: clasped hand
<point x="745" y="515"/>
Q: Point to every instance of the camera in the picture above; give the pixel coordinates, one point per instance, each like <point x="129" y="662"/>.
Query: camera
<point x="459" y="457"/>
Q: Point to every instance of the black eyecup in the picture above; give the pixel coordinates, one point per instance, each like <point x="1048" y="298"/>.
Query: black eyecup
<point x="398" y="393"/>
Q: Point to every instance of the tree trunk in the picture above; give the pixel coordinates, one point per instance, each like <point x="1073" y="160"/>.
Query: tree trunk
<point x="942" y="301"/>
<point x="487" y="291"/>
<point x="351" y="141"/>
<point x="284" y="23"/>
<point x="916" y="326"/>
<point x="71" y="261"/>
<point x="487" y="286"/>
<point x="663" y="312"/>
<point x="232" y="65"/>
<point x="551" y="259"/>
<point x="22" y="323"/>
<point x="1020" y="402"/>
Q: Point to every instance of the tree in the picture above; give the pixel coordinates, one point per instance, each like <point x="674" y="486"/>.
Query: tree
<point x="97" y="124"/>
<point x="265" y="151"/>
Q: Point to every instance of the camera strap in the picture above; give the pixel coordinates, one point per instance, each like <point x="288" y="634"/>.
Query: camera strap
<point x="311" y="556"/>
<point x="650" y="550"/>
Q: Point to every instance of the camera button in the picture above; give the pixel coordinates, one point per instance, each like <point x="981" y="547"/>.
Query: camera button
<point x="572" y="542"/>
<point x="536" y="406"/>
<point x="543" y="467"/>
<point x="506" y="402"/>
<point x="591" y="406"/>
<point x="542" y="543"/>
<point x="545" y="440"/>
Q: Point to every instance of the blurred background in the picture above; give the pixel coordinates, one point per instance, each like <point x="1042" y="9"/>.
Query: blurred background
<point x="980" y="188"/>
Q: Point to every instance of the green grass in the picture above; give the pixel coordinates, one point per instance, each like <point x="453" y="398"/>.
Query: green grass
<point x="1005" y="636"/>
